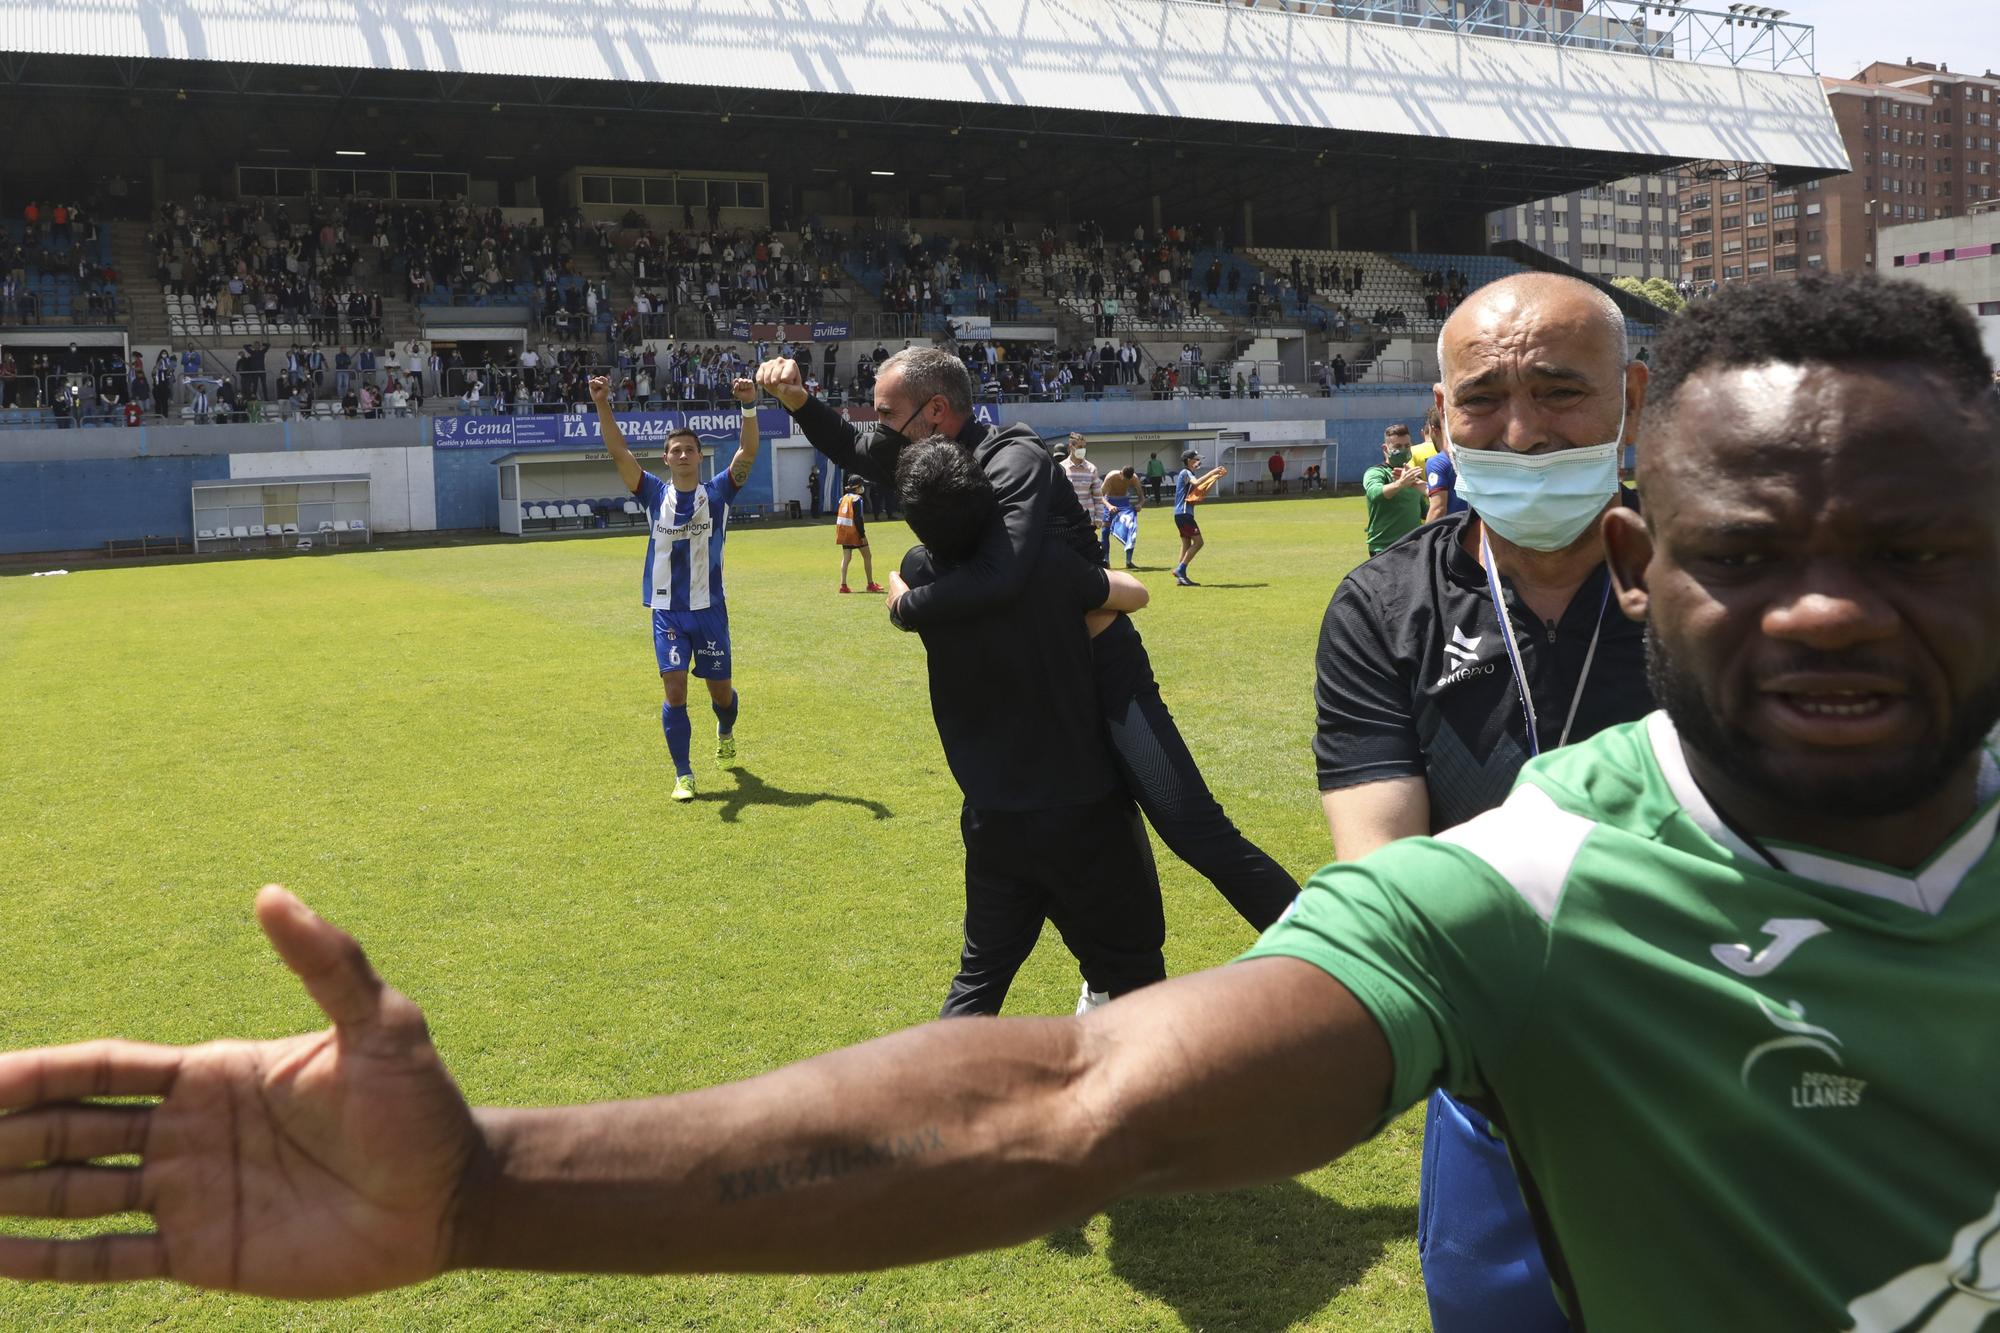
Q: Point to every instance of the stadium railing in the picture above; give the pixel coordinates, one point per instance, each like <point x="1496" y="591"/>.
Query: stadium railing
<point x="61" y="400"/>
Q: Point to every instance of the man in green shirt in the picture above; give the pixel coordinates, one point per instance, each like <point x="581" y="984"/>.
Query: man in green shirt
<point x="1725" y="978"/>
<point x="1156" y="473"/>
<point x="1395" y="492"/>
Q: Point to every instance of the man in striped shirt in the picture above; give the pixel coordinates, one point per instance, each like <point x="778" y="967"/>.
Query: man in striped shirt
<point x="1083" y="479"/>
<point x="682" y="583"/>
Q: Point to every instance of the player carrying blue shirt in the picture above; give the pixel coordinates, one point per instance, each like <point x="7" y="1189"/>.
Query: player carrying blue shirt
<point x="1189" y="491"/>
<point x="682" y="584"/>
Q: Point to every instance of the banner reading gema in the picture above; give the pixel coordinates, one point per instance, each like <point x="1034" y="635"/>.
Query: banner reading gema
<point x="580" y="430"/>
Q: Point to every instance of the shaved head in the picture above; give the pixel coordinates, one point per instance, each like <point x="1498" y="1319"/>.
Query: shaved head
<point x="1536" y="363"/>
<point x="1546" y="297"/>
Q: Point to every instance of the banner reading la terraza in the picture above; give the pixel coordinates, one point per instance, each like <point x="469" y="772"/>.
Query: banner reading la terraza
<point x="580" y="430"/>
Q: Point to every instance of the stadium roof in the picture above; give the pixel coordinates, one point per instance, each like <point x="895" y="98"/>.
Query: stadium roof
<point x="1183" y="59"/>
<point x="1030" y="107"/>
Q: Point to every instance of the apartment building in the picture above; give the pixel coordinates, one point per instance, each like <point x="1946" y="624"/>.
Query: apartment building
<point x="1922" y="143"/>
<point x="1626" y="229"/>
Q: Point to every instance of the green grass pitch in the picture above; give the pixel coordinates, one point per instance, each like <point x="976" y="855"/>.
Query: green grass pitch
<point x="456" y="754"/>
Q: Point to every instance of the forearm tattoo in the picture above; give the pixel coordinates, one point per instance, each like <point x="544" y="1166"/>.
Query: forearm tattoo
<point x="825" y="1165"/>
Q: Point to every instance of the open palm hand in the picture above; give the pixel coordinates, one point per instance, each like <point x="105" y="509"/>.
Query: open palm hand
<point x="311" y="1166"/>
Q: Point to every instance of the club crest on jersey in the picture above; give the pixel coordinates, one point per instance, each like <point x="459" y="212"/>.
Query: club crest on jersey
<point x="1815" y="1089"/>
<point x="1461" y="659"/>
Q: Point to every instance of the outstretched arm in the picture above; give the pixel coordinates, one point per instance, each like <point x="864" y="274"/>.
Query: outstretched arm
<point x="629" y="470"/>
<point x="347" y="1161"/>
<point x="746" y="440"/>
<point x="831" y="433"/>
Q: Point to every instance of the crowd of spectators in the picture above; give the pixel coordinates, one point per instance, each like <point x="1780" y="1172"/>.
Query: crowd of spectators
<point x="307" y="265"/>
<point x="478" y="253"/>
<point x="938" y="275"/>
<point x="75" y="386"/>
<point x="1442" y="292"/>
<point x="556" y="378"/>
<point x="324" y="264"/>
<point x="56" y="239"/>
<point x="1150" y="275"/>
<point x="720" y="274"/>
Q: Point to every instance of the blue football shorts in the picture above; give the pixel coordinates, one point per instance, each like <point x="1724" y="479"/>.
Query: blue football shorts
<point x="696" y="641"/>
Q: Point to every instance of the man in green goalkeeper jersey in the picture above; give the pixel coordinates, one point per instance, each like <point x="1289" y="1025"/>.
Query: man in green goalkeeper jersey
<point x="1728" y="978"/>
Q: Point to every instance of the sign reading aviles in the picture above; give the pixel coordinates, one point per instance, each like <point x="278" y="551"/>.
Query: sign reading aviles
<point x="580" y="429"/>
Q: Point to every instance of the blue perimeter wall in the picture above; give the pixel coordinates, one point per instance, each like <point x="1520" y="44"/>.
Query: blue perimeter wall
<point x="468" y="488"/>
<point x="74" y="504"/>
<point x="81" y="503"/>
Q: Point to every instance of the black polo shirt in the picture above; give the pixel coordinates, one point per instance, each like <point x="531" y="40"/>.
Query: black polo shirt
<point x="1414" y="679"/>
<point x="1013" y="691"/>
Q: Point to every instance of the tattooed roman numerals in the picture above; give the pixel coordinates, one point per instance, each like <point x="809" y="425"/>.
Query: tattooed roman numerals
<point x="828" y="1164"/>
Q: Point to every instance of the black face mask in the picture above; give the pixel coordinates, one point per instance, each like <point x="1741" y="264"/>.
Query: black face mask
<point x="895" y="436"/>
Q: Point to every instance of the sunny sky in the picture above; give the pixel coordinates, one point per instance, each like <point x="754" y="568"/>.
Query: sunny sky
<point x="1850" y="33"/>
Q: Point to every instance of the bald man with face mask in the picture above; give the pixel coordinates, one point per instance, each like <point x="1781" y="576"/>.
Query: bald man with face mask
<point x="1453" y="657"/>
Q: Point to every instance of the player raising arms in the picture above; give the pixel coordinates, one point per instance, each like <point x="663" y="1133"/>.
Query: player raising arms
<point x="683" y="579"/>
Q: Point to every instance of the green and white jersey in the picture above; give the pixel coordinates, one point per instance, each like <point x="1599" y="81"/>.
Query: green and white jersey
<point x="1741" y="1092"/>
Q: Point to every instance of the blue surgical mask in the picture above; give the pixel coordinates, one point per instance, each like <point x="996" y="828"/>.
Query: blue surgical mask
<point x="1539" y="502"/>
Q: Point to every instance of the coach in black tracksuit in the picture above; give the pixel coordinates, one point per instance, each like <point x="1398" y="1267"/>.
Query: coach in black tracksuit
<point x="921" y="392"/>
<point x="1050" y="832"/>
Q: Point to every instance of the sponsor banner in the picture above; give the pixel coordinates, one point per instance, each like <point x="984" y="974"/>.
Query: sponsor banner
<point x="972" y="326"/>
<point x="986" y="414"/>
<point x="829" y="331"/>
<point x="781" y="333"/>
<point x="580" y="430"/>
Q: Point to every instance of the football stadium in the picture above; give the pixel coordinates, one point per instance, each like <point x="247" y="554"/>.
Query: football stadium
<point x="360" y="365"/>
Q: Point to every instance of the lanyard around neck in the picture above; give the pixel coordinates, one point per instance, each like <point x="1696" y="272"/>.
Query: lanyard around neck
<point x="1519" y="667"/>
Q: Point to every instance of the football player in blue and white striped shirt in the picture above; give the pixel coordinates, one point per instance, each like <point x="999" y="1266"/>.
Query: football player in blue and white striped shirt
<point x="682" y="584"/>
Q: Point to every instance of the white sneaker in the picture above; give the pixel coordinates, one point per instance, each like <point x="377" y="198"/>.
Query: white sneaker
<point x="1091" y="999"/>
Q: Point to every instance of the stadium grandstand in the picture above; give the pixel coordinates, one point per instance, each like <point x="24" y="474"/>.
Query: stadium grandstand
<point x="298" y="231"/>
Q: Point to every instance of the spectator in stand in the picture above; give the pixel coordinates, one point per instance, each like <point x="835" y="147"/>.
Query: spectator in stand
<point x="202" y="404"/>
<point x="163" y="383"/>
